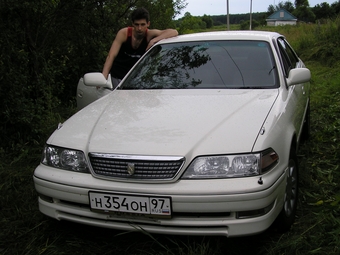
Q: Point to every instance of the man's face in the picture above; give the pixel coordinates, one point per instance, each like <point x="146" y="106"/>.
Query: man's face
<point x="140" y="27"/>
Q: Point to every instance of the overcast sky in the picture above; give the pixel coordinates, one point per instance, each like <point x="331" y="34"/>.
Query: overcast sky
<point x="219" y="7"/>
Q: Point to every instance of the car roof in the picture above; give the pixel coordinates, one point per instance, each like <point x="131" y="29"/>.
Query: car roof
<point x="225" y="35"/>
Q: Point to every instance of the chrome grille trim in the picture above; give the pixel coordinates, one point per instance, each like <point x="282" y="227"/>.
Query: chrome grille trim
<point x="145" y="167"/>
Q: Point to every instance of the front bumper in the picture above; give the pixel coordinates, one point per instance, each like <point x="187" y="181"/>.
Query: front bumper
<point x="197" y="212"/>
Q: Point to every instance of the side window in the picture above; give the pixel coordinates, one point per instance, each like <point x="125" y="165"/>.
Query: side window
<point x="292" y="56"/>
<point x="289" y="58"/>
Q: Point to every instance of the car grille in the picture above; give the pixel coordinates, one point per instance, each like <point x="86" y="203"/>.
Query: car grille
<point x="135" y="167"/>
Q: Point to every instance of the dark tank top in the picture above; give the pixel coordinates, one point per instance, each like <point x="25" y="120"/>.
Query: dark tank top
<point x="127" y="56"/>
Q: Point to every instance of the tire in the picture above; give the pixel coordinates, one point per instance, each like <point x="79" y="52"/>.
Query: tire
<point x="287" y="215"/>
<point x="305" y="135"/>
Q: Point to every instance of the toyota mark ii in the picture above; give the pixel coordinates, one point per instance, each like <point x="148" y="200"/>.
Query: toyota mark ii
<point x="199" y="138"/>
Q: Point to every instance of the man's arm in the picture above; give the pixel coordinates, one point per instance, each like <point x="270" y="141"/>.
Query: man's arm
<point x="155" y="35"/>
<point x="115" y="47"/>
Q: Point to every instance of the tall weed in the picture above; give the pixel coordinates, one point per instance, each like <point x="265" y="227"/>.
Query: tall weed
<point x="314" y="42"/>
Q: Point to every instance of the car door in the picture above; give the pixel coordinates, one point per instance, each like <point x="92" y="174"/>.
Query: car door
<point x="299" y="93"/>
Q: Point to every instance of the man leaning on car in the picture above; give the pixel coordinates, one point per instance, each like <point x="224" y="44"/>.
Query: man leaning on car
<point x="131" y="43"/>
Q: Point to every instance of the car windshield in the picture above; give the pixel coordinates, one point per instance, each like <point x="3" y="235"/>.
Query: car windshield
<point x="205" y="65"/>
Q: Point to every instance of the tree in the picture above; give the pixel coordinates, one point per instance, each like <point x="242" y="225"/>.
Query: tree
<point x="323" y="11"/>
<point x="301" y="3"/>
<point x="303" y="12"/>
<point x="286" y="5"/>
<point x="162" y="13"/>
<point x="336" y="7"/>
<point x="208" y="21"/>
<point x="189" y="23"/>
<point x="46" y="46"/>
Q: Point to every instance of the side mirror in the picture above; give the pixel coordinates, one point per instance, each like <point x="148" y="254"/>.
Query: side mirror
<point x="298" y="75"/>
<point x="97" y="80"/>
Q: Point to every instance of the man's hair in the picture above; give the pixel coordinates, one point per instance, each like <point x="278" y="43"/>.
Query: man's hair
<point x="140" y="13"/>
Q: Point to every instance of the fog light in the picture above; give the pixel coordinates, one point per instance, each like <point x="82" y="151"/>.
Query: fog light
<point x="46" y="198"/>
<point x="254" y="213"/>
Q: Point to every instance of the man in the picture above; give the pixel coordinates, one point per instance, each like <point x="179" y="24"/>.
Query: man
<point x="131" y="43"/>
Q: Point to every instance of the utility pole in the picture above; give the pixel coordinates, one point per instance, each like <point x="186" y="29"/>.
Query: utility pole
<point x="251" y="4"/>
<point x="228" y="15"/>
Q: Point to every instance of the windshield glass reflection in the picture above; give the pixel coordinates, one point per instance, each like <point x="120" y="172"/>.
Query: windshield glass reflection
<point x="205" y="65"/>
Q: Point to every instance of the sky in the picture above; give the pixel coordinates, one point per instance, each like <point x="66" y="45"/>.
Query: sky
<point x="219" y="7"/>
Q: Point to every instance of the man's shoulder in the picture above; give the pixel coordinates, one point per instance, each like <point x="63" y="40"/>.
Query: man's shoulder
<point x="122" y="34"/>
<point x="123" y="30"/>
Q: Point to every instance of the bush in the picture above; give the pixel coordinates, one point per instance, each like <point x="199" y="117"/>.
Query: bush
<point x="245" y="25"/>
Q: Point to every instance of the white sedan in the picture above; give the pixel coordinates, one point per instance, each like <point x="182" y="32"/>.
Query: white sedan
<point x="199" y="138"/>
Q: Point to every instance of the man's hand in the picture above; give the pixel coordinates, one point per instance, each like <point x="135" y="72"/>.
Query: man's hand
<point x="151" y="43"/>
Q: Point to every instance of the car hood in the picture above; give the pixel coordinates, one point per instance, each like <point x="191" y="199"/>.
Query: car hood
<point x="169" y="122"/>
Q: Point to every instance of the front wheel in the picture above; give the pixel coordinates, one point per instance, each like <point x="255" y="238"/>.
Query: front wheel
<point x="287" y="215"/>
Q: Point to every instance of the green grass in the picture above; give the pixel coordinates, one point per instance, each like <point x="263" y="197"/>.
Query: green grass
<point x="24" y="230"/>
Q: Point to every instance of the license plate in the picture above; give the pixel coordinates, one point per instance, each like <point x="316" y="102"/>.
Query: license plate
<point x="108" y="202"/>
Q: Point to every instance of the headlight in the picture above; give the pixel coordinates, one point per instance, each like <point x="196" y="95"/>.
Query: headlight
<point x="66" y="159"/>
<point x="231" y="166"/>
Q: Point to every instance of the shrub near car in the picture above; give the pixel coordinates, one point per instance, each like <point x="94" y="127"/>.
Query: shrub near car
<point x="200" y="138"/>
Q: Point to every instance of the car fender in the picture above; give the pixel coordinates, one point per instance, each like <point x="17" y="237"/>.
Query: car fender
<point x="278" y="130"/>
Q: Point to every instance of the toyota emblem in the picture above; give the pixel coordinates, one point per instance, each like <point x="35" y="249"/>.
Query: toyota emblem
<point x="131" y="169"/>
